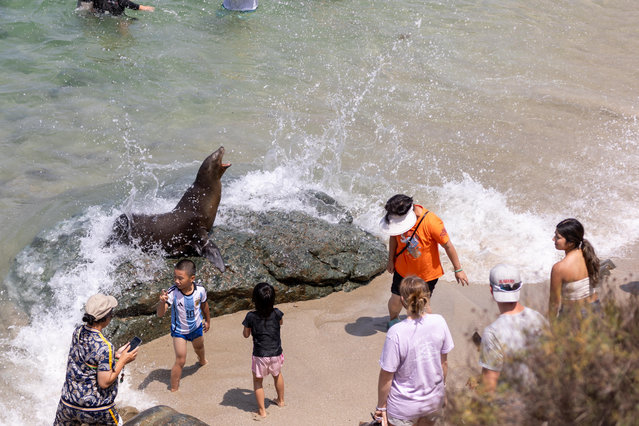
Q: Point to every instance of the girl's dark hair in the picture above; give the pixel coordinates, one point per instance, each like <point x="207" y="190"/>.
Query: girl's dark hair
<point x="90" y="319"/>
<point x="398" y="205"/>
<point x="573" y="231"/>
<point x="415" y="293"/>
<point x="264" y="299"/>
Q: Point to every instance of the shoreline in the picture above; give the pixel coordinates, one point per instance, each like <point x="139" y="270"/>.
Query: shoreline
<point x="331" y="347"/>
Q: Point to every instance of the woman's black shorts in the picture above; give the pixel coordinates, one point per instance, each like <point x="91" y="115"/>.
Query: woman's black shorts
<point x="397" y="280"/>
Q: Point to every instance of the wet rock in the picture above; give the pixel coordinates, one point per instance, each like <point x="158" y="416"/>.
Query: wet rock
<point x="301" y="256"/>
<point x="127" y="412"/>
<point x="161" y="415"/>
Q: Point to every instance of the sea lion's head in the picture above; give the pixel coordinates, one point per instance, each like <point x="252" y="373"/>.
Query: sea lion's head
<point x="212" y="168"/>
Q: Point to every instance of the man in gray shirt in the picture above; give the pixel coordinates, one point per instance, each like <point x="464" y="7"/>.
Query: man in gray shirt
<point x="510" y="334"/>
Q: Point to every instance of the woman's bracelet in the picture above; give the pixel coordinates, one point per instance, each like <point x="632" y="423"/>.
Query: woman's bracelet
<point x="458" y="270"/>
<point x="380" y="409"/>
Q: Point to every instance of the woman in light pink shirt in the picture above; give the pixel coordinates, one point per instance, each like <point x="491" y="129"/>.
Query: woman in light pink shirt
<point x="413" y="364"/>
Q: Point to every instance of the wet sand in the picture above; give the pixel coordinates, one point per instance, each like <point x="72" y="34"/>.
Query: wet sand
<point x="331" y="348"/>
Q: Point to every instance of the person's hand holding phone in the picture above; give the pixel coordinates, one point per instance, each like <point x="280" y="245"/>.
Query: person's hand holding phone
<point x="129" y="351"/>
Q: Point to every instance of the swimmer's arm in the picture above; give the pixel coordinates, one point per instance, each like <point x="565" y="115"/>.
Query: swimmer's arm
<point x="392" y="249"/>
<point x="135" y="6"/>
<point x="246" y="332"/>
<point x="554" y="300"/>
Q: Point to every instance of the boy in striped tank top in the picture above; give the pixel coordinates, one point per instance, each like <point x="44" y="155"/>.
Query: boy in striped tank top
<point x="187" y="300"/>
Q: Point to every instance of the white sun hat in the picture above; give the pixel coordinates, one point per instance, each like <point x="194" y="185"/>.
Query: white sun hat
<point x="397" y="224"/>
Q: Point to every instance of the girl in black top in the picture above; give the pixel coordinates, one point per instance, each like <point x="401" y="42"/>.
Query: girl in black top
<point x="264" y="324"/>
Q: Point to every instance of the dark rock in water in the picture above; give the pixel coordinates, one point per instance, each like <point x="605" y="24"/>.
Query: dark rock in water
<point x="301" y="256"/>
<point x="327" y="205"/>
<point x="161" y="415"/>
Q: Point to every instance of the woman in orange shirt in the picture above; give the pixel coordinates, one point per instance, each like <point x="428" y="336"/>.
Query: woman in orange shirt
<point x="414" y="237"/>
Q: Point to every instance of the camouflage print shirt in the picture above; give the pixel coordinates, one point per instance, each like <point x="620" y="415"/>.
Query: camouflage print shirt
<point x="90" y="352"/>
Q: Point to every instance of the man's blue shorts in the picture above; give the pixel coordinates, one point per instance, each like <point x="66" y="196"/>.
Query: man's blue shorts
<point x="191" y="336"/>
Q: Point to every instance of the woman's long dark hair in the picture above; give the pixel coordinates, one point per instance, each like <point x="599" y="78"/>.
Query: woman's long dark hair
<point x="573" y="231"/>
<point x="398" y="205"/>
<point x="264" y="299"/>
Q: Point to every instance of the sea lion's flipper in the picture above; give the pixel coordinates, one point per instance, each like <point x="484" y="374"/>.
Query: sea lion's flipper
<point x="212" y="253"/>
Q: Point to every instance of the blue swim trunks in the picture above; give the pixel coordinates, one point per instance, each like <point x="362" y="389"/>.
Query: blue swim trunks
<point x="198" y="332"/>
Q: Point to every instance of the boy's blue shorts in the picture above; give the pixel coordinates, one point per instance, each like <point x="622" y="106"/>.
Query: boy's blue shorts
<point x="191" y="336"/>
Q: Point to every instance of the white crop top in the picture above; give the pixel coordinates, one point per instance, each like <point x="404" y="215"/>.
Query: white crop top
<point x="577" y="290"/>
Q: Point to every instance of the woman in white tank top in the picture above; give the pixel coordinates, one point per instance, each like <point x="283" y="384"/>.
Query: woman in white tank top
<point x="573" y="280"/>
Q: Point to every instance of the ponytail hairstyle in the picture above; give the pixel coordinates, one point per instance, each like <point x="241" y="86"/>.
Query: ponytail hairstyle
<point x="90" y="319"/>
<point x="416" y="295"/>
<point x="398" y="205"/>
<point x="573" y="231"/>
<point x="264" y="299"/>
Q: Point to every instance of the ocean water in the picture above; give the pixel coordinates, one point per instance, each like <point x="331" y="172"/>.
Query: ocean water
<point x="501" y="117"/>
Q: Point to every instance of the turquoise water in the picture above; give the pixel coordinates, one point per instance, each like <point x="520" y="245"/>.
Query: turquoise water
<point x="502" y="117"/>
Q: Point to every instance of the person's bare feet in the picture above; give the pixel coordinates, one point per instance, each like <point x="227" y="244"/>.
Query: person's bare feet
<point x="278" y="402"/>
<point x="202" y="363"/>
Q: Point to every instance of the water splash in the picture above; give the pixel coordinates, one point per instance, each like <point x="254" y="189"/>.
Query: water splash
<point x="53" y="287"/>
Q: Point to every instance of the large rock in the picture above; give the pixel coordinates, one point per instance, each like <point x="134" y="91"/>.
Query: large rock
<point x="301" y="256"/>
<point x="162" y="415"/>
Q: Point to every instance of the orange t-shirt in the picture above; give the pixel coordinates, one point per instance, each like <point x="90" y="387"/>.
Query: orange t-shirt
<point x="421" y="258"/>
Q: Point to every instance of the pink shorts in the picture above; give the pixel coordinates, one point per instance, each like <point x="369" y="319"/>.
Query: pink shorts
<point x="263" y="366"/>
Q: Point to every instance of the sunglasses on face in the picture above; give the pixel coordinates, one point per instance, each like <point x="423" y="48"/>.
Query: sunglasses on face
<point x="508" y="287"/>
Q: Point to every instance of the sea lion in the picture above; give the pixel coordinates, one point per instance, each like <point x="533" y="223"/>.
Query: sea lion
<point x="184" y="231"/>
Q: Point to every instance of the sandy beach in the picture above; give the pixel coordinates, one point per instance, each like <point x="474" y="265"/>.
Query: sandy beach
<point x="331" y="348"/>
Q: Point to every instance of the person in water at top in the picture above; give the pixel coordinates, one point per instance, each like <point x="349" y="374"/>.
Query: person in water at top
<point x="415" y="234"/>
<point x="113" y="7"/>
<point x="573" y="280"/>
<point x="240" y="5"/>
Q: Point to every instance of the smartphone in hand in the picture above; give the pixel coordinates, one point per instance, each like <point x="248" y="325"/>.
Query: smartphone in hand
<point x="134" y="343"/>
